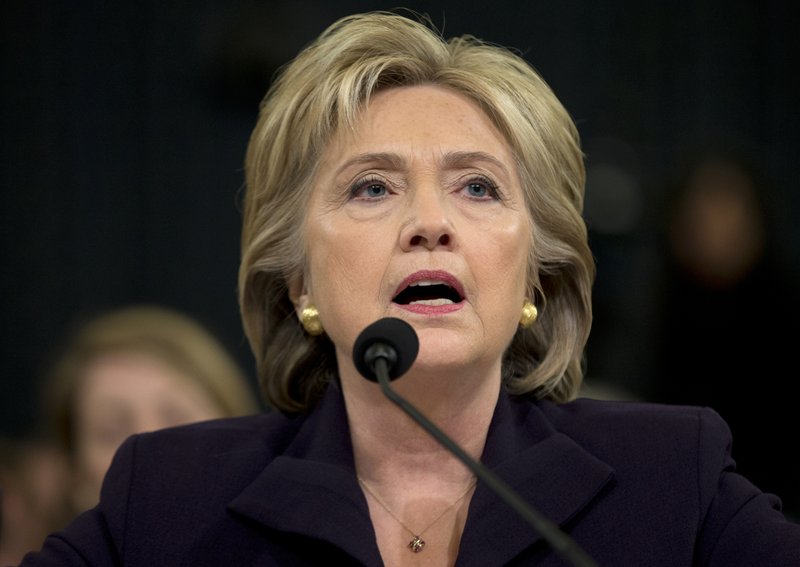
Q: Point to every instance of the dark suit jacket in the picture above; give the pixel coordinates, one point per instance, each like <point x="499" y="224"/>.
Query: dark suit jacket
<point x="633" y="484"/>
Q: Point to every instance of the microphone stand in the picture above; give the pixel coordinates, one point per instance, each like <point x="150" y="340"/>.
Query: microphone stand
<point x="560" y="542"/>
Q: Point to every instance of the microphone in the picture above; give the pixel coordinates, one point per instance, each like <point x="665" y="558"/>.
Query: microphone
<point x="384" y="351"/>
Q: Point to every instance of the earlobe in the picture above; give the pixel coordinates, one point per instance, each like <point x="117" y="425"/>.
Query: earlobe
<point x="303" y="304"/>
<point x="307" y="313"/>
<point x="297" y="293"/>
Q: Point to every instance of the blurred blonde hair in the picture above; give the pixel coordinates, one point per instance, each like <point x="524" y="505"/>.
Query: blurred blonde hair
<point x="324" y="89"/>
<point x="171" y="336"/>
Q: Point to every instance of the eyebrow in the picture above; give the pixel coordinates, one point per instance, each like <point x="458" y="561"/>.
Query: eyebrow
<point x="393" y="161"/>
<point x="452" y="160"/>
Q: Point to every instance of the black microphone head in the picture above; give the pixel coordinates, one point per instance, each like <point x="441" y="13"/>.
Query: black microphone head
<point x="399" y="345"/>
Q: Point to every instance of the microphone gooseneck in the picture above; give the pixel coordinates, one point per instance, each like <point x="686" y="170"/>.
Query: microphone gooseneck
<point x="384" y="351"/>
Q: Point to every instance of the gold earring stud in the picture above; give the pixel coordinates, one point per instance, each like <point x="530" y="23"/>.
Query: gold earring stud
<point x="309" y="318"/>
<point x="529" y="314"/>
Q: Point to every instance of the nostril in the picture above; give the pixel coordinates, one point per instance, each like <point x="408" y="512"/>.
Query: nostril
<point x="430" y="241"/>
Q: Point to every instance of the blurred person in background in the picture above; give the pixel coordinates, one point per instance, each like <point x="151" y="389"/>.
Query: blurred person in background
<point x="131" y="370"/>
<point x="32" y="486"/>
<point x="726" y="299"/>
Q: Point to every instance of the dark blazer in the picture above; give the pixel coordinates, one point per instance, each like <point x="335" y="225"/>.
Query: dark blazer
<point x="633" y="484"/>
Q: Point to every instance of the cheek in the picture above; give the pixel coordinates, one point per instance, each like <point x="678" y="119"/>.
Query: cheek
<point x="345" y="262"/>
<point x="185" y="403"/>
<point x="100" y="461"/>
<point x="345" y="281"/>
<point x="95" y="455"/>
<point x="346" y="295"/>
<point x="98" y="435"/>
<point x="505" y="258"/>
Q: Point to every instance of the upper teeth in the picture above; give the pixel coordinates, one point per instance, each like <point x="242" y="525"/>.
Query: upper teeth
<point x="427" y="282"/>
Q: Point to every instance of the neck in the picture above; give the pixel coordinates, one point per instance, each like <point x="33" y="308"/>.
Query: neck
<point x="418" y="492"/>
<point x="390" y="447"/>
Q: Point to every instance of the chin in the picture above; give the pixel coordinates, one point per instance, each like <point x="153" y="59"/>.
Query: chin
<point x="443" y="357"/>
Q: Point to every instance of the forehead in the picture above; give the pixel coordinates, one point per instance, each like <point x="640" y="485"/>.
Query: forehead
<point x="123" y="371"/>
<point x="420" y="118"/>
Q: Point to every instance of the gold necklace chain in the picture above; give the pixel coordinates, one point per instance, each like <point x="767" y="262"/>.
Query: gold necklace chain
<point x="417" y="543"/>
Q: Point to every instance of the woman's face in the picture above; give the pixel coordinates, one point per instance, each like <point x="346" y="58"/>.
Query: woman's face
<point x="125" y="393"/>
<point x="418" y="214"/>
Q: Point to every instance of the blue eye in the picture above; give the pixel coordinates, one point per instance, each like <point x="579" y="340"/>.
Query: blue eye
<point x="375" y="190"/>
<point x="477" y="190"/>
<point x="368" y="189"/>
<point x="481" y="189"/>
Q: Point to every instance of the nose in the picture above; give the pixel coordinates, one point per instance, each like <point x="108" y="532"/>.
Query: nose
<point x="428" y="225"/>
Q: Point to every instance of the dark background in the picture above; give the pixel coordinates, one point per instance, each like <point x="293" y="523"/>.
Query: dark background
<point x="124" y="127"/>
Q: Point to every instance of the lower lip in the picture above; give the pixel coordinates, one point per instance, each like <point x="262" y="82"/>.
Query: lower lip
<point x="431" y="310"/>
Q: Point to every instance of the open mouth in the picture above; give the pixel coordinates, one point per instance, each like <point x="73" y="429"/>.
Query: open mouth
<point x="428" y="292"/>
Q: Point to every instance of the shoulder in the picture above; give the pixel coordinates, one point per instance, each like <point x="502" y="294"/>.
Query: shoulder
<point x="265" y="433"/>
<point x="219" y="455"/>
<point x="189" y="472"/>
<point x="647" y="438"/>
<point x="592" y="421"/>
<point x="673" y="470"/>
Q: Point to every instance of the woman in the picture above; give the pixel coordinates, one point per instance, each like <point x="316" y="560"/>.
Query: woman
<point x="394" y="174"/>
<point x="32" y="474"/>
<point x="130" y="370"/>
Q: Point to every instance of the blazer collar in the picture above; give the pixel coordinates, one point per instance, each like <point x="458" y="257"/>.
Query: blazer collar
<point x="311" y="489"/>
<point x="549" y="470"/>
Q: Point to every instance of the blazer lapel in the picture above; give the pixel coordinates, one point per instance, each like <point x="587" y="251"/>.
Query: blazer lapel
<point x="546" y="468"/>
<point x="312" y="489"/>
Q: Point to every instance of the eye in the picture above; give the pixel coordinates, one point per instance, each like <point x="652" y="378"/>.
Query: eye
<point x="481" y="188"/>
<point x="369" y="189"/>
<point x="477" y="190"/>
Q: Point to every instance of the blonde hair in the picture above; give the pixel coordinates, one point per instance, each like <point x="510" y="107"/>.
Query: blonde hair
<point x="172" y="337"/>
<point x="322" y="90"/>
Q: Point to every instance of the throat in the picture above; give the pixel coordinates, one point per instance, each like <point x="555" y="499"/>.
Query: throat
<point x="392" y="445"/>
<point x="381" y="432"/>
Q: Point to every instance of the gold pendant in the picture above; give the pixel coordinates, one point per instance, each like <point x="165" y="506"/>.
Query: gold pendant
<point x="416" y="544"/>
